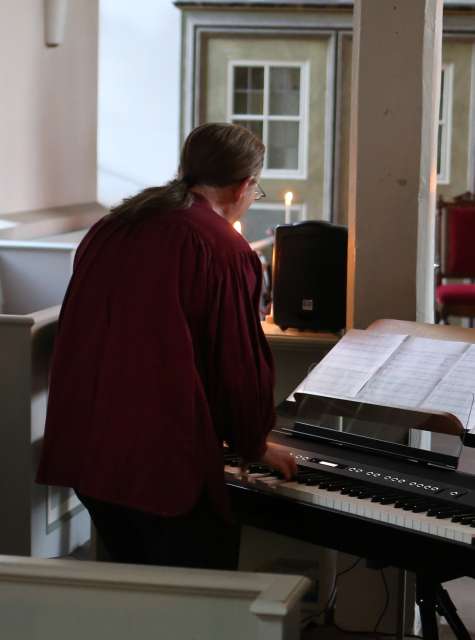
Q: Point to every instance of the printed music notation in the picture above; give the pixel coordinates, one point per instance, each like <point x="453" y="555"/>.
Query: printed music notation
<point x="351" y="363"/>
<point x="455" y="393"/>
<point x="405" y="370"/>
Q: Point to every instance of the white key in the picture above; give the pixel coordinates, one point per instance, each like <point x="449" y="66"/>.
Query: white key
<point x="372" y="510"/>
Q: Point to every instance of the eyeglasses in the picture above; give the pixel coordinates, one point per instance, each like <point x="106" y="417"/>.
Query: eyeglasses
<point x="259" y="192"/>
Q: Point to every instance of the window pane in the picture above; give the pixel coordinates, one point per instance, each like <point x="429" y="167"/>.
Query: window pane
<point x="284" y="98"/>
<point x="248" y="90"/>
<point x="254" y="125"/>
<point x="441" y="104"/>
<point x="283" y="145"/>
<point x="259" y="223"/>
<point x="240" y="77"/>
<point x="248" y="102"/>
<point x="439" y="150"/>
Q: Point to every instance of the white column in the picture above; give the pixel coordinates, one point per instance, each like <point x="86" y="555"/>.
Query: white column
<point x="395" y="93"/>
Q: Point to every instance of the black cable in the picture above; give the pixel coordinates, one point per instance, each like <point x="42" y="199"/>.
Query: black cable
<point x="383" y="612"/>
<point x="332" y="594"/>
<point x="374" y="633"/>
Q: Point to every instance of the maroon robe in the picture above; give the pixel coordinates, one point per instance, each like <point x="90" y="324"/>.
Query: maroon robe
<point x="160" y="356"/>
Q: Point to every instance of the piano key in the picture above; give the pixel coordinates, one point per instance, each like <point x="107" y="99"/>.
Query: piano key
<point x="313" y="480"/>
<point x="390" y="499"/>
<point x="365" y="507"/>
<point x="309" y="476"/>
<point x="422" y="507"/>
<point x="378" y="497"/>
<point x="409" y="500"/>
<point x="258" y="468"/>
<point x="459" y="516"/>
<point x="350" y="486"/>
<point x="363" y="495"/>
<point x="445" y="511"/>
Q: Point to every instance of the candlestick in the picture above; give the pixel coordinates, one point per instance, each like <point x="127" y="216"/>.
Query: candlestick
<point x="288" y="197"/>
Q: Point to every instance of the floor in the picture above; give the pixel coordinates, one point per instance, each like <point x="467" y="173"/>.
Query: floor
<point x="461" y="591"/>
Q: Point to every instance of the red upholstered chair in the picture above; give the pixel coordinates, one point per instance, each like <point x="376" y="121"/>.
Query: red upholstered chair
<point x="456" y="258"/>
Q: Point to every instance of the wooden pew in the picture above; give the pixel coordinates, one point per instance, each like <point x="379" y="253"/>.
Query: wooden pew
<point x="57" y="599"/>
<point x="43" y="521"/>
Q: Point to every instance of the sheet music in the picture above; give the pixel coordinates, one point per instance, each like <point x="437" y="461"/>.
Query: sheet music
<point x="455" y="393"/>
<point x="392" y="369"/>
<point x="351" y="363"/>
<point x="409" y="376"/>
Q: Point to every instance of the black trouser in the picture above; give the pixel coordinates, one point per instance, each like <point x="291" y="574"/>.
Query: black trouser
<point x="199" y="538"/>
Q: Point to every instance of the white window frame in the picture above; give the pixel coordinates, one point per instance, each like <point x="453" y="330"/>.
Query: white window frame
<point x="301" y="173"/>
<point x="443" y="177"/>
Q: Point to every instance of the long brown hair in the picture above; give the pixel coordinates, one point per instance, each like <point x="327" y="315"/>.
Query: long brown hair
<point x="215" y="155"/>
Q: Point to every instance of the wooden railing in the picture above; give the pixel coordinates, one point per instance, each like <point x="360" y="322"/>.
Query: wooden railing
<point x="57" y="599"/>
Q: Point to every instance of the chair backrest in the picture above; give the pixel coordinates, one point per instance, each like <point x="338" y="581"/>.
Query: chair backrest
<point x="456" y="237"/>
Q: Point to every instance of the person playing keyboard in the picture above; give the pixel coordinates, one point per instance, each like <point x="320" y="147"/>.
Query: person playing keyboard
<point x="160" y="357"/>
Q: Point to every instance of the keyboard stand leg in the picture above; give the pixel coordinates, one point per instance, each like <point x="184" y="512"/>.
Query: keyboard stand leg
<point x="427" y="601"/>
<point x="432" y="598"/>
<point x="446" y="608"/>
<point x="401" y="619"/>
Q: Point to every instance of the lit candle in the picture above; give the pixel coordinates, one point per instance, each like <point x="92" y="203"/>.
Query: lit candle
<point x="288" y="197"/>
<point x="237" y="226"/>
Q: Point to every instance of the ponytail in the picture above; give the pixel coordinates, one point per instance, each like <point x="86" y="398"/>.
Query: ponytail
<point x="173" y="195"/>
<point x="215" y="155"/>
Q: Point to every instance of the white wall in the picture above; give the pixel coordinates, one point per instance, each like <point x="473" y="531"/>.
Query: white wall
<point x="48" y="108"/>
<point x="139" y="73"/>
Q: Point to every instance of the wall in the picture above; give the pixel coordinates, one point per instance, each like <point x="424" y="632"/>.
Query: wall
<point x="138" y="96"/>
<point x="48" y="112"/>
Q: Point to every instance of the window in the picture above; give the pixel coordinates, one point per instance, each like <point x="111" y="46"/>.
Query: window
<point x="445" y="125"/>
<point x="271" y="100"/>
<point x="261" y="219"/>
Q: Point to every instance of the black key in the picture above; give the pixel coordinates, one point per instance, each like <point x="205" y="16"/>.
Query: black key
<point x="455" y="513"/>
<point x="350" y="486"/>
<point x="305" y="474"/>
<point x="355" y="491"/>
<point x="442" y="512"/>
<point x="390" y="499"/>
<point x="301" y="478"/>
<point x="406" y="501"/>
<point x="308" y="478"/>
<point x="363" y="494"/>
<point x="467" y="520"/>
<point x="323" y="484"/>
<point x="312" y="482"/>
<point x="335" y="486"/>
<point x="302" y="469"/>
<point x="410" y="506"/>
<point x="422" y="507"/>
<point x="382" y="496"/>
<point x="258" y="468"/>
<point x="461" y="515"/>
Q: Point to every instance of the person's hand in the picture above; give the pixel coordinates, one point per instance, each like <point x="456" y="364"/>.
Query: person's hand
<point x="280" y="459"/>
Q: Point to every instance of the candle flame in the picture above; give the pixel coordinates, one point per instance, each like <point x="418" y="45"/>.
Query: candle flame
<point x="237" y="226"/>
<point x="288" y="197"/>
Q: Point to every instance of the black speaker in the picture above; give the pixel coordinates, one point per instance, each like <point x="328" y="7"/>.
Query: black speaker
<point x="309" y="276"/>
